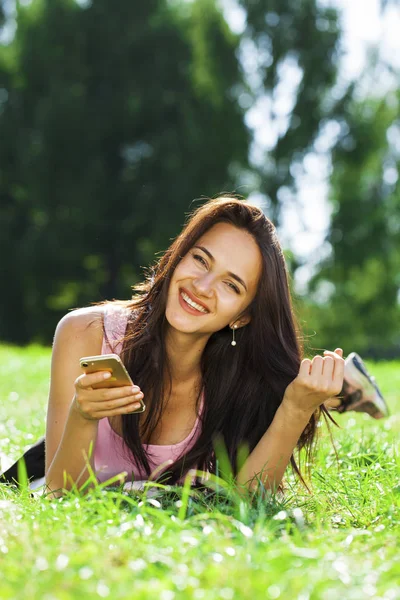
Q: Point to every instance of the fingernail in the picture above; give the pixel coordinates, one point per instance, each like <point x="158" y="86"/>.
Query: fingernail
<point x="135" y="389"/>
<point x="106" y="375"/>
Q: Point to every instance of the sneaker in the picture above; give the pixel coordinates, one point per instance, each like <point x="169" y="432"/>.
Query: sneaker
<point x="361" y="392"/>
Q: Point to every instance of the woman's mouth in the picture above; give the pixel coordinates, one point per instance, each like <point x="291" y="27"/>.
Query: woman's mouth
<point x="190" y="305"/>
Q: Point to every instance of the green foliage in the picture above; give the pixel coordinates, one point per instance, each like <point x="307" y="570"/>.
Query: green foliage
<point x="302" y="37"/>
<point x="361" y="308"/>
<point x="340" y="541"/>
<point x="112" y="121"/>
<point x="106" y="132"/>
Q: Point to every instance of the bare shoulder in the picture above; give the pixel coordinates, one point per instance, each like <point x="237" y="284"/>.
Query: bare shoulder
<point x="82" y="323"/>
<point x="83" y="328"/>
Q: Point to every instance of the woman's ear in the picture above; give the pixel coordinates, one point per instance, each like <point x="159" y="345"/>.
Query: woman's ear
<point x="241" y="321"/>
<point x="244" y="320"/>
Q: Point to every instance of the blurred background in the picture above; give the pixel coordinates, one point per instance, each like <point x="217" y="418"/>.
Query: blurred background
<point x="117" y="117"/>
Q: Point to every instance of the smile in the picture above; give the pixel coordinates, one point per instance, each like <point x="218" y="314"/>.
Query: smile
<point x="191" y="303"/>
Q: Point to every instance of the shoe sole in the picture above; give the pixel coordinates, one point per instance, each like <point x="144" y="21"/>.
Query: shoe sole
<point x="357" y="375"/>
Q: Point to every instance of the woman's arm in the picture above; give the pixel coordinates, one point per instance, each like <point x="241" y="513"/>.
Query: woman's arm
<point x="75" y="407"/>
<point x="271" y="456"/>
<point x="317" y="381"/>
<point x="68" y="433"/>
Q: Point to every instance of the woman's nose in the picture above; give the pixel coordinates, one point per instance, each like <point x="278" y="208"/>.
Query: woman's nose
<point x="204" y="285"/>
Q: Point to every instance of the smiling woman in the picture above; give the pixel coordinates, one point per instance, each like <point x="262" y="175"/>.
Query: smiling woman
<point x="203" y="284"/>
<point x="224" y="273"/>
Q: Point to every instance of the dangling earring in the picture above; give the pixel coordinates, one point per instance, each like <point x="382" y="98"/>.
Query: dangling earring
<point x="233" y="342"/>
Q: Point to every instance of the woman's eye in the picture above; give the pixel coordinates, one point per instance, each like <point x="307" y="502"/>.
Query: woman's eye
<point x="200" y="259"/>
<point x="233" y="287"/>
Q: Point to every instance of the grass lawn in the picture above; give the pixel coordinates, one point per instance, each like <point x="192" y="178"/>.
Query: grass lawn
<point x="339" y="542"/>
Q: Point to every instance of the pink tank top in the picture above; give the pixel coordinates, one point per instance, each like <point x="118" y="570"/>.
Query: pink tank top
<point x="111" y="455"/>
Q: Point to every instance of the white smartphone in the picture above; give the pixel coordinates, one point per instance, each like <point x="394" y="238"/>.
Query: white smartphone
<point x="113" y="364"/>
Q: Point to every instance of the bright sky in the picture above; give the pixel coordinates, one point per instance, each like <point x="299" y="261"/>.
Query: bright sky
<point x="305" y="218"/>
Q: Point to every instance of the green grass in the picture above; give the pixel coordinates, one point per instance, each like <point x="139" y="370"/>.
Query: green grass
<point x="340" y="542"/>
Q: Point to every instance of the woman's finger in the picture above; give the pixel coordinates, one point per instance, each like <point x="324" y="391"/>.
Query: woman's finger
<point x="317" y="366"/>
<point x="328" y="368"/>
<point x="336" y="357"/>
<point x="124" y="410"/>
<point x="100" y="395"/>
<point x="84" y="381"/>
<point x="338" y="376"/>
<point x="305" y="367"/>
<point x="109" y="405"/>
<point x="338" y="352"/>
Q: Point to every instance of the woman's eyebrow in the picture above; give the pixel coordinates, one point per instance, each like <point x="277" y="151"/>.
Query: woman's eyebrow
<point x="233" y="275"/>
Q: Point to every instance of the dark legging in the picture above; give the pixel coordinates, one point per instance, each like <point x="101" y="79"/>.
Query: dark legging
<point x="34" y="462"/>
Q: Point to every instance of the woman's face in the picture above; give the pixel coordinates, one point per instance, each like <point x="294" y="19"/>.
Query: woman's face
<point x="215" y="282"/>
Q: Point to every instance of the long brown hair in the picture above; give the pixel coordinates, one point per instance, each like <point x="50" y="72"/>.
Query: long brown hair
<point x="243" y="387"/>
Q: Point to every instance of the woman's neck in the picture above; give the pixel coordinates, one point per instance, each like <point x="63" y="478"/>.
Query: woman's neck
<point x="184" y="353"/>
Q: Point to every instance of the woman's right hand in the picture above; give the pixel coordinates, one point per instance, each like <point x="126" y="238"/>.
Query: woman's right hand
<point x="94" y="404"/>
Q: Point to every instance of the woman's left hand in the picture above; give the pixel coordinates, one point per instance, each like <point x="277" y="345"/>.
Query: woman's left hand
<point x="318" y="379"/>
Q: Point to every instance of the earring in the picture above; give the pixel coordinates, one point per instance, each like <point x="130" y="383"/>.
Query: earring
<point x="233" y="342"/>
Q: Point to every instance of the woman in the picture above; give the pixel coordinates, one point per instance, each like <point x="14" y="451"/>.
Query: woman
<point x="211" y="343"/>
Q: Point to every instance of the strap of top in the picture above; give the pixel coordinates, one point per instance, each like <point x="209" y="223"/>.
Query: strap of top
<point x="115" y="321"/>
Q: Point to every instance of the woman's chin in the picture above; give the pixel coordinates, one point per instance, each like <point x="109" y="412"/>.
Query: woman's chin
<point x="181" y="322"/>
<point x="181" y="325"/>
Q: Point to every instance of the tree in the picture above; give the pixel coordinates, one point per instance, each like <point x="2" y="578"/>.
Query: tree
<point x="294" y="40"/>
<point x="355" y="295"/>
<point x="362" y="274"/>
<point x="112" y="121"/>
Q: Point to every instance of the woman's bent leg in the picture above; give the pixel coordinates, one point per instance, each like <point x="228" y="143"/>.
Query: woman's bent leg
<point x="360" y="391"/>
<point x="34" y="462"/>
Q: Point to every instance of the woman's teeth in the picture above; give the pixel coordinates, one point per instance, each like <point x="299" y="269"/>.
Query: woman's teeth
<point x="193" y="304"/>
